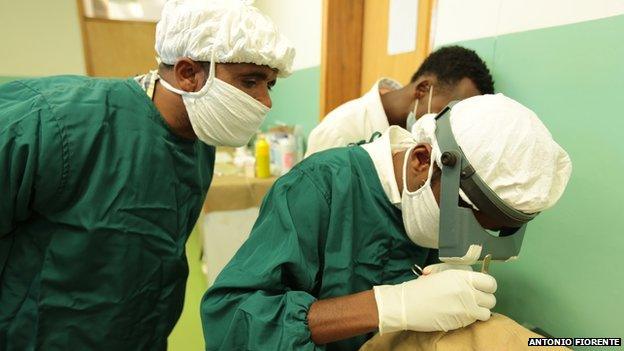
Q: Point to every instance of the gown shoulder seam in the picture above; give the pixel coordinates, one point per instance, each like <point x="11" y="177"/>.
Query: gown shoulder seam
<point x="324" y="194"/>
<point x="62" y="135"/>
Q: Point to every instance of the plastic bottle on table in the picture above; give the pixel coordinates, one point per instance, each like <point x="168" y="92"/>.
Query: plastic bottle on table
<point x="275" y="153"/>
<point x="263" y="169"/>
<point x="288" y="148"/>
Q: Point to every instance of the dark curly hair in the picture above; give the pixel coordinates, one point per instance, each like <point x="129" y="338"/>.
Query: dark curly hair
<point x="451" y="64"/>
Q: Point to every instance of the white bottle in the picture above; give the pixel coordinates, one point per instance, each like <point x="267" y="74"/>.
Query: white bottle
<point x="276" y="154"/>
<point x="288" y="151"/>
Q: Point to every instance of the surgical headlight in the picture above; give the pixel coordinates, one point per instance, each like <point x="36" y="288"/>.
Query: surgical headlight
<point x="462" y="239"/>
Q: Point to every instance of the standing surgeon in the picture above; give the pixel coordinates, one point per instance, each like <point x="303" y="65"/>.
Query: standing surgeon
<point x="102" y="180"/>
<point x="328" y="262"/>
<point x="449" y="73"/>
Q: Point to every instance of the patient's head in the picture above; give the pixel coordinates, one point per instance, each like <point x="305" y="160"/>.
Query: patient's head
<point x="455" y="73"/>
<point x="448" y="74"/>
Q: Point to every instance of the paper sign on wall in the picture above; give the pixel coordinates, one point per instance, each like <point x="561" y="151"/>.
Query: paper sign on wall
<point x="402" y="26"/>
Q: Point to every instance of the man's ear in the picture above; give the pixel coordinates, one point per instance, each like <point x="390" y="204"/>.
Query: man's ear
<point x="420" y="159"/>
<point x="421" y="88"/>
<point x="189" y="75"/>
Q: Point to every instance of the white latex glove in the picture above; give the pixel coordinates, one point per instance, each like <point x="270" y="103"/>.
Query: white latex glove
<point x="441" y="267"/>
<point x="438" y="302"/>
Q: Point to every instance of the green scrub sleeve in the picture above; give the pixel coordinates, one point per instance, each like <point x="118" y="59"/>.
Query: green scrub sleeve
<point x="31" y="155"/>
<point x="261" y="299"/>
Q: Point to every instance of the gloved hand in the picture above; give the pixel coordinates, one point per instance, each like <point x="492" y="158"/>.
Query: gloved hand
<point x="441" y="267"/>
<point x="438" y="302"/>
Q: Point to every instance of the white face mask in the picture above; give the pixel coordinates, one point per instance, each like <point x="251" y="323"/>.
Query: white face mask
<point x="411" y="118"/>
<point x="220" y="114"/>
<point x="421" y="214"/>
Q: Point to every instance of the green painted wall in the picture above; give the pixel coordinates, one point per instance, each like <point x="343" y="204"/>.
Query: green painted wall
<point x="569" y="280"/>
<point x="296" y="100"/>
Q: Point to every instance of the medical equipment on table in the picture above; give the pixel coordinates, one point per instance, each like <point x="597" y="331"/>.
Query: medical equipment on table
<point x="462" y="238"/>
<point x="286" y="148"/>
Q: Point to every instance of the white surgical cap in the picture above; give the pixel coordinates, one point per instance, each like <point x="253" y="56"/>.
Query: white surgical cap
<point x="509" y="148"/>
<point x="233" y="30"/>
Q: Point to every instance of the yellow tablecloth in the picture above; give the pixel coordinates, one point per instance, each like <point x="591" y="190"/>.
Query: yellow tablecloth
<point x="235" y="192"/>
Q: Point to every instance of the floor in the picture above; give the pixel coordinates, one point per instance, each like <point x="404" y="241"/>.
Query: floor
<point x="187" y="334"/>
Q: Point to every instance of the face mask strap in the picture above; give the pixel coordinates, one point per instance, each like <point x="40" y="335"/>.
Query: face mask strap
<point x="430" y="97"/>
<point x="411" y="117"/>
<point x="170" y="87"/>
<point x="211" y="74"/>
<point x="209" y="81"/>
<point x="405" y="159"/>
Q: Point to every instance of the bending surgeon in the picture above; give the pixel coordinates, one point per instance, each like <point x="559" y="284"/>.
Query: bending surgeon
<point x="102" y="180"/>
<point x="328" y="262"/>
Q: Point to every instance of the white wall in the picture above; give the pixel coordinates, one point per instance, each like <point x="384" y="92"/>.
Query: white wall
<point x="40" y="38"/>
<point x="457" y="20"/>
<point x="301" y="22"/>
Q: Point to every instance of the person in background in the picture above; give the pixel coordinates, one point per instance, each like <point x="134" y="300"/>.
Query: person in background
<point x="328" y="261"/>
<point x="448" y="74"/>
<point x="102" y="179"/>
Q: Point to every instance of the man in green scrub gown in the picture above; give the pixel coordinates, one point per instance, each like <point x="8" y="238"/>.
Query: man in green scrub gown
<point x="328" y="262"/>
<point x="102" y="180"/>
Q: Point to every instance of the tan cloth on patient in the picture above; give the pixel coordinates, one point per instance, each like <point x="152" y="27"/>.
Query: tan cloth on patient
<point x="498" y="333"/>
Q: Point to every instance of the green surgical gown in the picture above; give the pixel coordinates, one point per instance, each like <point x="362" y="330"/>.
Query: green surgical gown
<point x="97" y="199"/>
<point x="325" y="229"/>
